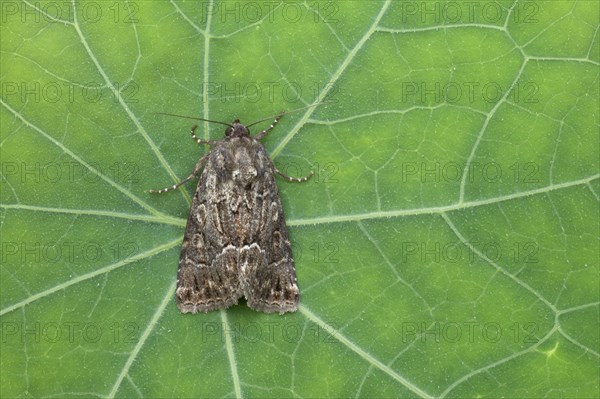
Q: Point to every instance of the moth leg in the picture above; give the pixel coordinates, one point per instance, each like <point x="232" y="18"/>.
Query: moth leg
<point x="200" y="141"/>
<point x="293" y="179"/>
<point x="262" y="134"/>
<point x="187" y="179"/>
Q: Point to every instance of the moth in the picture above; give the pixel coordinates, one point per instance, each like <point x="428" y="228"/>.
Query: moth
<point x="236" y="243"/>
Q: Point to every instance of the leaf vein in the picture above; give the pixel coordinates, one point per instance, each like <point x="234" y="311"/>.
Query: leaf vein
<point x="87" y="276"/>
<point x="136" y="350"/>
<point x="125" y="107"/>
<point x="334" y="78"/>
<point x="362" y="353"/>
<point x="67" y="151"/>
<point x="437" y="209"/>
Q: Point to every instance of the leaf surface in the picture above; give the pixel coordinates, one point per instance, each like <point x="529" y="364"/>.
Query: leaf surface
<point x="447" y="245"/>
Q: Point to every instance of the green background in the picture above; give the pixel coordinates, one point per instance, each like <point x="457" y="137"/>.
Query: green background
<point x="420" y="276"/>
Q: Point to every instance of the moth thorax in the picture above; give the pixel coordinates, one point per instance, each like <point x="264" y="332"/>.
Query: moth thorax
<point x="244" y="171"/>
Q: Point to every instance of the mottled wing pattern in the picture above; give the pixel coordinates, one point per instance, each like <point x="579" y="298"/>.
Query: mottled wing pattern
<point x="208" y="275"/>
<point x="271" y="276"/>
<point x="207" y="278"/>
<point x="236" y="242"/>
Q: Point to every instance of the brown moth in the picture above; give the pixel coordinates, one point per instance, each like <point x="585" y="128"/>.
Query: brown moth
<point x="236" y="242"/>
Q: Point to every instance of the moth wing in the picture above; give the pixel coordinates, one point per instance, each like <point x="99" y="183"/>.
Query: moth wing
<point x="271" y="274"/>
<point x="208" y="274"/>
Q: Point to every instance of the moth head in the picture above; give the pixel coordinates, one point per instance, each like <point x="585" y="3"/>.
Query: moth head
<point x="236" y="129"/>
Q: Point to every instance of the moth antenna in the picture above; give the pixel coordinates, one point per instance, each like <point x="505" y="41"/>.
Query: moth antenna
<point x="193" y="117"/>
<point x="288" y="112"/>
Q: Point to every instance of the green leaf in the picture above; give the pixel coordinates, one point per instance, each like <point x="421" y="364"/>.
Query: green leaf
<point x="447" y="245"/>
